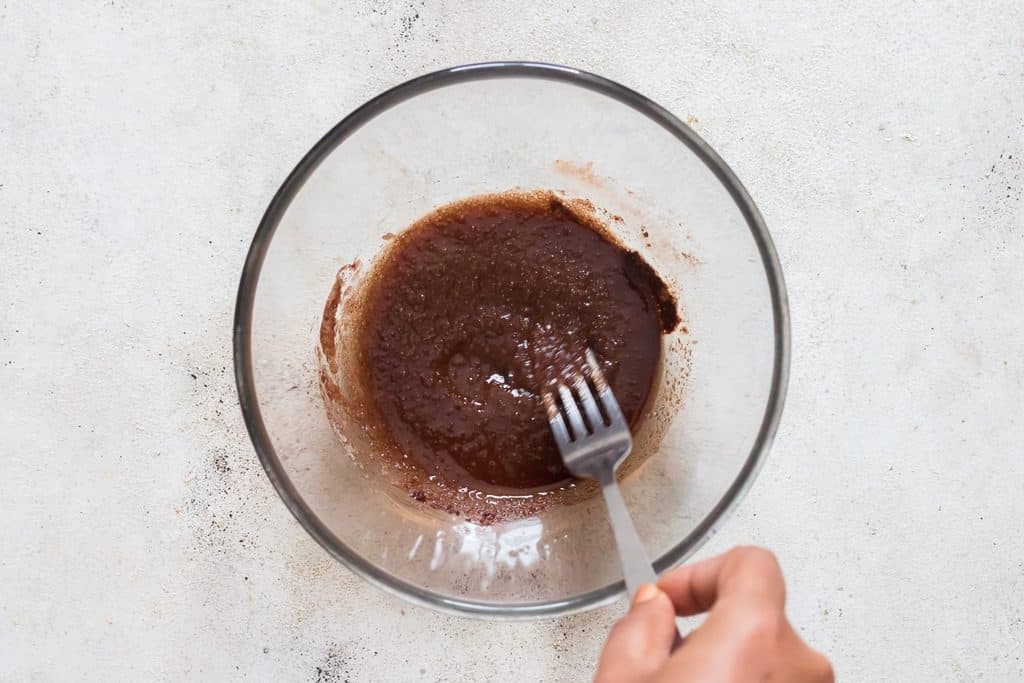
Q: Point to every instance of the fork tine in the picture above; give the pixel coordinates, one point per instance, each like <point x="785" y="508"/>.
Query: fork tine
<point x="604" y="392"/>
<point x="572" y="411"/>
<point x="556" y="421"/>
<point x="590" y="409"/>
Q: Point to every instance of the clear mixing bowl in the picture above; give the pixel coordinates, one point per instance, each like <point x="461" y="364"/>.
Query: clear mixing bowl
<point x="490" y="128"/>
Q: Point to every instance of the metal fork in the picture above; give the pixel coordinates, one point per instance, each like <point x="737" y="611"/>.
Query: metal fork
<point x="592" y="445"/>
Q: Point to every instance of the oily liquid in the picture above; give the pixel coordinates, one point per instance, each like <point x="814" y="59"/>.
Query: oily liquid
<point x="471" y="314"/>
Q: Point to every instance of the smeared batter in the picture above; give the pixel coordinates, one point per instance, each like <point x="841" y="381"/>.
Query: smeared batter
<point x="478" y="307"/>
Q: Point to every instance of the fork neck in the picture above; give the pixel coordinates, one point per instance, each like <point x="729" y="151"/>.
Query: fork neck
<point x="606" y="477"/>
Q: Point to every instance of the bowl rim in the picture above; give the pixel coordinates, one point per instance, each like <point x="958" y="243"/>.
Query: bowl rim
<point x="304" y="169"/>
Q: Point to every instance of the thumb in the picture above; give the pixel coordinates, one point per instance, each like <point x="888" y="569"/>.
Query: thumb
<point x="641" y="641"/>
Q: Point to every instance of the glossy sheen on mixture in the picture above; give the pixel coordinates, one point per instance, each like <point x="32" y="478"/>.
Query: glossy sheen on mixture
<point x="479" y="306"/>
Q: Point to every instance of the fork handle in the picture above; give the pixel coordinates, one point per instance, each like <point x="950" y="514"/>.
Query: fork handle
<point x="636" y="568"/>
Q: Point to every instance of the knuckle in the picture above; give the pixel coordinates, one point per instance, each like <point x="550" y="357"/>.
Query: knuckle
<point x="757" y="555"/>
<point x="823" y="672"/>
<point x="622" y="626"/>
<point x="764" y="627"/>
<point x="763" y="562"/>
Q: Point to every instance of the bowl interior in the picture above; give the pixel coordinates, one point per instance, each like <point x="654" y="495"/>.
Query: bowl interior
<point x="487" y="129"/>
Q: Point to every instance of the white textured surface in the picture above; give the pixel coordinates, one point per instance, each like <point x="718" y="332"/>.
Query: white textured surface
<point x="141" y="540"/>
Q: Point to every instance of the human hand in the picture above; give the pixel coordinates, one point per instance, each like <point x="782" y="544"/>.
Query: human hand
<point x="745" y="637"/>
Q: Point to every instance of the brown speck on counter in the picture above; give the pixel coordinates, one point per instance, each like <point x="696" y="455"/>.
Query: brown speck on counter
<point x="690" y="258"/>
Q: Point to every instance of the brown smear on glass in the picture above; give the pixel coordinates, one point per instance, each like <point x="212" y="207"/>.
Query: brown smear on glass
<point x="465" y="319"/>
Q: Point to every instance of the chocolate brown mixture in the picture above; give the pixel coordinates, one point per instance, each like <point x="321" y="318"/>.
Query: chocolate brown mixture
<point x="478" y="307"/>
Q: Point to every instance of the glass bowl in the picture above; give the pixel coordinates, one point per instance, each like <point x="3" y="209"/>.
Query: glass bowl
<point x="663" y="191"/>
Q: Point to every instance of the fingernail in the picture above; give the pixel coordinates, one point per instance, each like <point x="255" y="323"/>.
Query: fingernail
<point x="646" y="592"/>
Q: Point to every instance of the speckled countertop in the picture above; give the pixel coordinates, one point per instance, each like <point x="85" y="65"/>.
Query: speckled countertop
<point x="141" y="539"/>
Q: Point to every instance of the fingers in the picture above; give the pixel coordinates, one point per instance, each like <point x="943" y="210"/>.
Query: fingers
<point x="746" y="635"/>
<point x="745" y="571"/>
<point x="748" y="639"/>
<point x="639" y="643"/>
